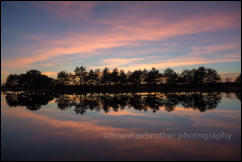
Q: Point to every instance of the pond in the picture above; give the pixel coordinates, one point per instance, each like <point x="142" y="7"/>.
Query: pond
<point x="141" y="126"/>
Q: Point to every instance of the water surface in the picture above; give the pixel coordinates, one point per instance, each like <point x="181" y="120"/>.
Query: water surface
<point x="143" y="126"/>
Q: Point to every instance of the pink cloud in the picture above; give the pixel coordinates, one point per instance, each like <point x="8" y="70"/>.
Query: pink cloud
<point x="179" y="61"/>
<point x="155" y="27"/>
<point x="116" y="62"/>
<point x="90" y="127"/>
<point x="69" y="9"/>
<point x="211" y="49"/>
<point x="123" y="34"/>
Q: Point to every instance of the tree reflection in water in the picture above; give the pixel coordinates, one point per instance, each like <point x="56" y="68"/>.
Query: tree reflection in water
<point x="106" y="102"/>
<point x="238" y="95"/>
<point x="33" y="101"/>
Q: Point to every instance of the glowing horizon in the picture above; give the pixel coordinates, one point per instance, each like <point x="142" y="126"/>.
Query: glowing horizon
<point x="55" y="36"/>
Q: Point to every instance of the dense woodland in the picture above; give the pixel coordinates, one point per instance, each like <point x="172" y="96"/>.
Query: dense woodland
<point x="119" y="81"/>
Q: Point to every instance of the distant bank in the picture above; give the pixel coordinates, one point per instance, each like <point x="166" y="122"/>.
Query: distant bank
<point x="115" y="81"/>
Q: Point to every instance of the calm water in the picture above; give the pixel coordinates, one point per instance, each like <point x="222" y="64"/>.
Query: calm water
<point x="178" y="126"/>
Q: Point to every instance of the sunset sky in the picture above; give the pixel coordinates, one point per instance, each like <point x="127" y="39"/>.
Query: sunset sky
<point x="54" y="36"/>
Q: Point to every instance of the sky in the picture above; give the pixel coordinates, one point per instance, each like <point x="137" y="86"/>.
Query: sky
<point x="53" y="36"/>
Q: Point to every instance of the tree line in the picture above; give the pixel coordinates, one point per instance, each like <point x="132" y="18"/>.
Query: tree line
<point x="97" y="79"/>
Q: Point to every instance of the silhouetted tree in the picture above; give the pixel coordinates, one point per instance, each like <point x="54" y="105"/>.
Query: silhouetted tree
<point x="23" y="81"/>
<point x="238" y="79"/>
<point x="63" y="77"/>
<point x="32" y="80"/>
<point x="91" y="77"/>
<point x="211" y="77"/>
<point x="98" y="74"/>
<point x="199" y="75"/>
<point x="152" y="76"/>
<point x="12" y="80"/>
<point x="136" y="77"/>
<point x="80" y="72"/>
<point x="186" y="77"/>
<point x="43" y="82"/>
<point x="122" y="77"/>
<point x="114" y="76"/>
<point x="170" y="76"/>
<point x="105" y="78"/>
<point x="34" y="73"/>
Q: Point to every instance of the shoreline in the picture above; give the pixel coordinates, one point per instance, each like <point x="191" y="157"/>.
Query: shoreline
<point x="83" y="89"/>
